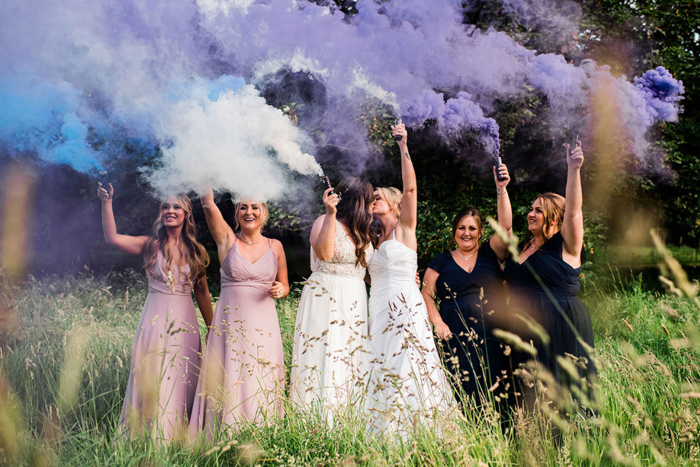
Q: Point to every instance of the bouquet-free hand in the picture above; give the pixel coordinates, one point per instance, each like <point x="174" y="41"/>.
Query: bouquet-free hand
<point x="277" y="290"/>
<point x="443" y="331"/>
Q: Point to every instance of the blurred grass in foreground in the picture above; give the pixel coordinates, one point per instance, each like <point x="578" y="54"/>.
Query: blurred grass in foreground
<point x="647" y="344"/>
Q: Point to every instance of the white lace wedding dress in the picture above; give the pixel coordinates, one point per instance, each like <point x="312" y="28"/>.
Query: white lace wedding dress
<point x="407" y="383"/>
<point x="330" y="358"/>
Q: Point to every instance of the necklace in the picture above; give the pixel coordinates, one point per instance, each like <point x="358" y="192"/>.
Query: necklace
<point x="466" y="258"/>
<point x="240" y="235"/>
<point x="534" y="246"/>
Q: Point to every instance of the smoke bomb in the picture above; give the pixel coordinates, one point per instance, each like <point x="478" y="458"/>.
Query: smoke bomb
<point x="499" y="162"/>
<point x="398" y="122"/>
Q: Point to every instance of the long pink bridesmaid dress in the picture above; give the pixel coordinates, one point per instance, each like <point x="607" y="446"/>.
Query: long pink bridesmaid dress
<point x="165" y="359"/>
<point x="242" y="376"/>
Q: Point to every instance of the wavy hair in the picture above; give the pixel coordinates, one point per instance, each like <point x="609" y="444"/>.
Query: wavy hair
<point x="553" y="206"/>
<point x="195" y="254"/>
<point x="353" y="212"/>
<point x="468" y="212"/>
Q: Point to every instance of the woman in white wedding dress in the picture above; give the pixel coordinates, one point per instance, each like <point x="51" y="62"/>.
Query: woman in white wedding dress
<point x="329" y="359"/>
<point x="407" y="384"/>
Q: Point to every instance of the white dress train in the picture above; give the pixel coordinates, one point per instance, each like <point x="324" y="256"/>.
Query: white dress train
<point x="329" y="360"/>
<point x="407" y="383"/>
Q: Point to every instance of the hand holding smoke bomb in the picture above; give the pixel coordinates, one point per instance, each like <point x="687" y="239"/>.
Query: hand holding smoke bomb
<point x="103" y="180"/>
<point x="397" y="122"/>
<point x="104" y="192"/>
<point x="399" y="130"/>
<point x="499" y="175"/>
<point x="327" y="181"/>
<point x="330" y="201"/>
<point x="574" y="158"/>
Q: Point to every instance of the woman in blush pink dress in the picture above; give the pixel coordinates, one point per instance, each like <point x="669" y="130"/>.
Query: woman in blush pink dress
<point x="167" y="346"/>
<point x="242" y="376"/>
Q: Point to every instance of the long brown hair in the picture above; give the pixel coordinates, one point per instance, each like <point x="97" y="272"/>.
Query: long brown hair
<point x="553" y="206"/>
<point x="195" y="254"/>
<point x="353" y="212"/>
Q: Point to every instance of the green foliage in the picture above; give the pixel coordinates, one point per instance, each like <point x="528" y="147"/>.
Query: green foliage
<point x="650" y="33"/>
<point x="643" y="372"/>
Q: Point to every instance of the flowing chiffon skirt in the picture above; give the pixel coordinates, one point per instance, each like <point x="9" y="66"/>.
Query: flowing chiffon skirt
<point x="242" y="377"/>
<point x="407" y="384"/>
<point x="164" y="367"/>
<point x="329" y="362"/>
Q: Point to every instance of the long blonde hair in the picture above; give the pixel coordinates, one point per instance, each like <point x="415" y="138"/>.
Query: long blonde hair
<point x="553" y="206"/>
<point x="195" y="254"/>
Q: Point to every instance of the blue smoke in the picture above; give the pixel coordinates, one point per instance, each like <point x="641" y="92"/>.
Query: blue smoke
<point x="43" y="118"/>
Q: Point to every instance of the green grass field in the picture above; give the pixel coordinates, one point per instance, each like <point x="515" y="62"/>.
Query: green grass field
<point x="60" y="330"/>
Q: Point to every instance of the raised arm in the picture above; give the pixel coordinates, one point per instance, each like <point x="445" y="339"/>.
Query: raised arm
<point x="429" y="295"/>
<point x="203" y="298"/>
<point x="126" y="243"/>
<point x="406" y="227"/>
<point x="280" y="288"/>
<point x="323" y="230"/>
<point x="572" y="227"/>
<point x="505" y="212"/>
<point x="221" y="232"/>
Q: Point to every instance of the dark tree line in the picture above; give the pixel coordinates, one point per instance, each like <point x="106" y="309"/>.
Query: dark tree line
<point x="631" y="37"/>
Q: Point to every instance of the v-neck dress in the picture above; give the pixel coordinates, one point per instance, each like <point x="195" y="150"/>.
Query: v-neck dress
<point x="329" y="360"/>
<point x="472" y="304"/>
<point x="165" y="357"/>
<point x="242" y="375"/>
<point x="563" y="315"/>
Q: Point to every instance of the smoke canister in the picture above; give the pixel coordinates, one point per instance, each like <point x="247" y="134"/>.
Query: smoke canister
<point x="499" y="163"/>
<point x="327" y="182"/>
<point x="104" y="181"/>
<point x="398" y="122"/>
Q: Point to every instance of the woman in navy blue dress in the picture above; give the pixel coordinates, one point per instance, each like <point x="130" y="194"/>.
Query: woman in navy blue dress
<point x="544" y="283"/>
<point x="463" y="290"/>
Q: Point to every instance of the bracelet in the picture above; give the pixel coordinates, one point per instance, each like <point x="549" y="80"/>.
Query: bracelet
<point x="499" y="193"/>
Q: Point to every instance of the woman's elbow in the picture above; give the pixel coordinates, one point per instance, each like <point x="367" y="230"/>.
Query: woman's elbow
<point x="324" y="255"/>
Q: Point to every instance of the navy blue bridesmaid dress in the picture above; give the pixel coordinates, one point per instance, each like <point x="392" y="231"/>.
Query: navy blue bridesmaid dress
<point x="562" y="314"/>
<point x="472" y="304"/>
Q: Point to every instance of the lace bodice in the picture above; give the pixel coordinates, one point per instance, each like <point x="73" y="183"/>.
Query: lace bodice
<point x="343" y="261"/>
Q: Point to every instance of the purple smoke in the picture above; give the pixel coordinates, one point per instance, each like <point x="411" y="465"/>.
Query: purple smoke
<point x="117" y="69"/>
<point x="661" y="92"/>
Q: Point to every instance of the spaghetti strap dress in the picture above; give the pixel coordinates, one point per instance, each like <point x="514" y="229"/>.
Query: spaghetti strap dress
<point x="329" y="359"/>
<point x="242" y="376"/>
<point x="164" y="360"/>
<point x="472" y="304"/>
<point x="544" y="288"/>
<point x="407" y="383"/>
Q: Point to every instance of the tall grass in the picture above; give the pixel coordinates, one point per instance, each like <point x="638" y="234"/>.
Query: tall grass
<point x="649" y="375"/>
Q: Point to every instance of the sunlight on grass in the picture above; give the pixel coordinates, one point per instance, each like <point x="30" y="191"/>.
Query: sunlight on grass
<point x="648" y="384"/>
